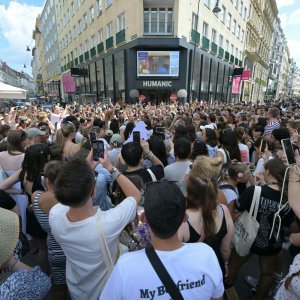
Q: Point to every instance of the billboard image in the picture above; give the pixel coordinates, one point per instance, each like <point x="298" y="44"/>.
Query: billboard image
<point x="158" y="63"/>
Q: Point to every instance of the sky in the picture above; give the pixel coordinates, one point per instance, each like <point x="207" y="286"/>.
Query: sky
<point x="17" y="21"/>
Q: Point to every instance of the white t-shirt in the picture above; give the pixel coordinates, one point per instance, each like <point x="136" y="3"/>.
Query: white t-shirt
<point x="85" y="266"/>
<point x="194" y="268"/>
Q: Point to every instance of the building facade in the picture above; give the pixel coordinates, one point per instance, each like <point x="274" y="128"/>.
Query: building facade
<point x="157" y="47"/>
<point x="50" y="50"/>
<point x="260" y="28"/>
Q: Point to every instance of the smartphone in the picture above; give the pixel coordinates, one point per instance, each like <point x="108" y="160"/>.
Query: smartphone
<point x="136" y="136"/>
<point x="262" y="147"/>
<point x="288" y="149"/>
<point x="98" y="149"/>
<point x="93" y="136"/>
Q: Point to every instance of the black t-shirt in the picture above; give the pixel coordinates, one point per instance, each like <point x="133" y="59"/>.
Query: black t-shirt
<point x="268" y="206"/>
<point x="6" y="201"/>
<point x="157" y="170"/>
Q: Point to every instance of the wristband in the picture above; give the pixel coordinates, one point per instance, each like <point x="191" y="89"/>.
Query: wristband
<point x="149" y="155"/>
<point x="116" y="175"/>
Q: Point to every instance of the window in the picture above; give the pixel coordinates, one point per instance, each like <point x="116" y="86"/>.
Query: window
<point x="207" y="3"/>
<point x="108" y="3"/>
<point x="236" y="52"/>
<point x="205" y="29"/>
<point x="85" y="21"/>
<point x="232" y="49"/>
<point x="93" y="41"/>
<point x="158" y="20"/>
<point x="121" y="22"/>
<point x="227" y="45"/>
<point x="242" y="35"/>
<point x="81" y="48"/>
<point x="79" y="26"/>
<point x="195" y="21"/>
<point x="72" y="8"/>
<point x="91" y="14"/>
<point x="229" y="21"/>
<point x="213" y="36"/>
<point x="241" y="8"/>
<point x="223" y="14"/>
<point x="109" y="29"/>
<point x="237" y="4"/>
<point x="99" y="6"/>
<point x="78" y="4"/>
<point x="87" y="45"/>
<point x="234" y="27"/>
<point x="245" y="13"/>
<point x="100" y="36"/>
<point x="221" y="40"/>
<point x="238" y="31"/>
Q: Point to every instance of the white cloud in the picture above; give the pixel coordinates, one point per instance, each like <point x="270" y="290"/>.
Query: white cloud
<point x="17" y="22"/>
<point x="282" y="3"/>
<point x="294" y="47"/>
<point x="294" y="17"/>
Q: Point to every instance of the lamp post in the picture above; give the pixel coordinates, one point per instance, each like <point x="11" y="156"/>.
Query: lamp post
<point x="216" y="10"/>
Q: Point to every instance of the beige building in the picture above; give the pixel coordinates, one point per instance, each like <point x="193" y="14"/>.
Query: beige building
<point x="259" y="39"/>
<point x="184" y="45"/>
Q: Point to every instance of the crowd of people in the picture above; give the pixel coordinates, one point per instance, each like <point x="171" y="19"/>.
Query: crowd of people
<point x="169" y="189"/>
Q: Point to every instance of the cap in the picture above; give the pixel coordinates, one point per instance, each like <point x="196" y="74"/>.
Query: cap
<point x="31" y="132"/>
<point x="210" y="126"/>
<point x="23" y="118"/>
<point x="9" y="234"/>
<point x="116" y="138"/>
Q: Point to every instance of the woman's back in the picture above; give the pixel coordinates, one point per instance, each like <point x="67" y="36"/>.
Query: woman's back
<point x="11" y="162"/>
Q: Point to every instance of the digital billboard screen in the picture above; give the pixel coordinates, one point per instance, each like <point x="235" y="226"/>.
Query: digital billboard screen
<point x="157" y="63"/>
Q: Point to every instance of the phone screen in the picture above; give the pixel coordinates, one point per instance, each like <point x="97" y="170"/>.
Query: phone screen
<point x="98" y="150"/>
<point x="136" y="136"/>
<point x="289" y="151"/>
<point x="263" y="144"/>
<point x="93" y="136"/>
<point x="160" y="129"/>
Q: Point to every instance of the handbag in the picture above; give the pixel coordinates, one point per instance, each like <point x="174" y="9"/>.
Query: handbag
<point x="163" y="274"/>
<point x="105" y="251"/>
<point x="246" y="226"/>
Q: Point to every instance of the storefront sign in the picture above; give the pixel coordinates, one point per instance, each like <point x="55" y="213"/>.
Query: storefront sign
<point x="246" y="75"/>
<point x="157" y="83"/>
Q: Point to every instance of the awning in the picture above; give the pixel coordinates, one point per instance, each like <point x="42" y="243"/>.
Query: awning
<point x="11" y="92"/>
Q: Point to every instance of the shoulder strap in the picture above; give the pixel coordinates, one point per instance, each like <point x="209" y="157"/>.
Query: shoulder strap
<point x="163" y="274"/>
<point x="255" y="201"/>
<point x="104" y="248"/>
<point x="153" y="177"/>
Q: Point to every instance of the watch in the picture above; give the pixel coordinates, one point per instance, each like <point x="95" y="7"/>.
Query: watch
<point x="113" y="170"/>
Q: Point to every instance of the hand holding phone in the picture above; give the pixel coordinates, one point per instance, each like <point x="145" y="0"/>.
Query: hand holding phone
<point x="93" y="136"/>
<point x="262" y="147"/>
<point x="136" y="137"/>
<point x="98" y="149"/>
<point x="288" y="149"/>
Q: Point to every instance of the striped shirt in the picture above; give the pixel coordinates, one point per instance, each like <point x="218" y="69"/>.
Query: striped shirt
<point x="270" y="127"/>
<point x="56" y="256"/>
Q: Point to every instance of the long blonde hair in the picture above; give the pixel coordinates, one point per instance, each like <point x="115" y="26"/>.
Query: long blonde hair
<point x="64" y="132"/>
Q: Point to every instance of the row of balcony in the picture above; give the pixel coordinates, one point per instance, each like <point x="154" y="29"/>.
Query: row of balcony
<point x="207" y="45"/>
<point x="109" y="43"/>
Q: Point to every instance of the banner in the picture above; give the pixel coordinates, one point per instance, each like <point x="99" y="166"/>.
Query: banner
<point x="68" y="83"/>
<point x="236" y="85"/>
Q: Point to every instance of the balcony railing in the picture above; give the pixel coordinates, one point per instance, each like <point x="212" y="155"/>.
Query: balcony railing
<point x="205" y="43"/>
<point x="221" y="52"/>
<point x="120" y="36"/>
<point x="158" y="28"/>
<point x="227" y="55"/>
<point x="109" y="42"/>
<point x="195" y="37"/>
<point x="213" y="48"/>
<point x="93" y="52"/>
<point x="100" y="48"/>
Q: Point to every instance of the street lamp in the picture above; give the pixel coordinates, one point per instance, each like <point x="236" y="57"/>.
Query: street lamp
<point x="215" y="10"/>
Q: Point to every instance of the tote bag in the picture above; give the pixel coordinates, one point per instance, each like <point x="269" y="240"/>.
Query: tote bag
<point x="246" y="226"/>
